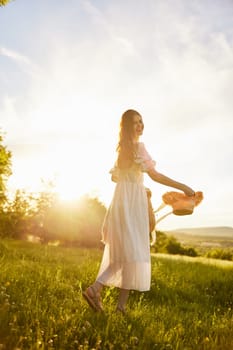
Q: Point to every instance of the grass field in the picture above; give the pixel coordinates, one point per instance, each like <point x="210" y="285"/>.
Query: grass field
<point x="189" y="306"/>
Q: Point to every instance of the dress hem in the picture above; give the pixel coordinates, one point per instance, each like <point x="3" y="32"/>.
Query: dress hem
<point x="121" y="287"/>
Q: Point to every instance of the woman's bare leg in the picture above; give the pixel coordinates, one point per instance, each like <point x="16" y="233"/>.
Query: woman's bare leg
<point x="97" y="286"/>
<point x="122" y="299"/>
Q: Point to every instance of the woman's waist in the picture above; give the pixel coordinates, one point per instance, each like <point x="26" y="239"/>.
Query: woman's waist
<point x="131" y="177"/>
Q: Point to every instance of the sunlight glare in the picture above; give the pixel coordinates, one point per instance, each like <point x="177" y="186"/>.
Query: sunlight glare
<point x="67" y="189"/>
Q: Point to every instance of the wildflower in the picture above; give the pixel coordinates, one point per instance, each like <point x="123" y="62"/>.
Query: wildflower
<point x="87" y="324"/>
<point x="134" y="340"/>
<point x="50" y="342"/>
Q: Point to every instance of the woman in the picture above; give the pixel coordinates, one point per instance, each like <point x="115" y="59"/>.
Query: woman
<point x="126" y="258"/>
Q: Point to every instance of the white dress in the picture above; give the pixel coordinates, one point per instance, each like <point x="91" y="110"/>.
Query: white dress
<point x="126" y="259"/>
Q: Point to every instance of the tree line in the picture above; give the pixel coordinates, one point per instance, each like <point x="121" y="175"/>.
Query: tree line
<point x="43" y="215"/>
<point x="45" y="218"/>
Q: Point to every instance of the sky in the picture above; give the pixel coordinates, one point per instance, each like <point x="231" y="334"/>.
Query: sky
<point x="69" y="69"/>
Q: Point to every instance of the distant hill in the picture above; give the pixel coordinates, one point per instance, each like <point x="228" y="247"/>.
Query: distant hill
<point x="216" y="231"/>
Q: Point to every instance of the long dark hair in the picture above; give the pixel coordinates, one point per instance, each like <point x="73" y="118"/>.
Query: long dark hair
<point x="125" y="146"/>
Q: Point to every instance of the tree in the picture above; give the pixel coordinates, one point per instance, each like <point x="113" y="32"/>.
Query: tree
<point x="4" y="2"/>
<point x="78" y="223"/>
<point x="23" y="215"/>
<point x="5" y="169"/>
<point x="170" y="245"/>
<point x="16" y="216"/>
<point x="161" y="242"/>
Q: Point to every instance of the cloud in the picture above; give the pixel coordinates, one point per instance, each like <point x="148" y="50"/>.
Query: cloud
<point x="23" y="62"/>
<point x="121" y="41"/>
<point x="15" y="56"/>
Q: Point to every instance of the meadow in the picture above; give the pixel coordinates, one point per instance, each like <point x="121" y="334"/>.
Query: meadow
<point x="189" y="306"/>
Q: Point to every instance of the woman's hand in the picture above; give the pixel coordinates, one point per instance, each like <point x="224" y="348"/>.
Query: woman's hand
<point x="188" y="191"/>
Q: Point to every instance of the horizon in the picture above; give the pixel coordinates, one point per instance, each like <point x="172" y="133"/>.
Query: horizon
<point x="204" y="228"/>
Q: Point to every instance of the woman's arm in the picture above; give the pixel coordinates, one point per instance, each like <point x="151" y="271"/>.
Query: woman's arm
<point x="164" y="180"/>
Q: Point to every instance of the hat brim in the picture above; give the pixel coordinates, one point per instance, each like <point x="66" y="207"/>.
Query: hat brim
<point x="181" y="203"/>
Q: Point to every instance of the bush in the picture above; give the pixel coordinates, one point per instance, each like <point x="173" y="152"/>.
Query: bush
<point x="190" y="252"/>
<point x="170" y="245"/>
<point x="174" y="247"/>
<point x="223" y="254"/>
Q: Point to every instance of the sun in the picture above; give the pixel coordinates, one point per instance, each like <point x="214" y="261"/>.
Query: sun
<point x="73" y="167"/>
<point x="67" y="188"/>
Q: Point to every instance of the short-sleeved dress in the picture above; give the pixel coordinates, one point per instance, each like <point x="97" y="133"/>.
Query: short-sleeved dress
<point x="126" y="259"/>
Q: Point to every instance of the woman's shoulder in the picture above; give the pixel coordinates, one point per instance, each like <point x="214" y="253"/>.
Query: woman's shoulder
<point x="144" y="158"/>
<point x="141" y="147"/>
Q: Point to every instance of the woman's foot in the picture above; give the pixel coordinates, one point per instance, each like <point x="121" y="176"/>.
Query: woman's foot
<point x="93" y="298"/>
<point x="120" y="309"/>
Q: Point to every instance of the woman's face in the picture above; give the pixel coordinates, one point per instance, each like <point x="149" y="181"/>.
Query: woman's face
<point x="138" y="127"/>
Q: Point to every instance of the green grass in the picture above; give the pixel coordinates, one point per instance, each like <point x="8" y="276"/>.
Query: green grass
<point x="188" y="307"/>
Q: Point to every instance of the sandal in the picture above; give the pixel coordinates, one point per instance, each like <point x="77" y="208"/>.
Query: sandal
<point x="93" y="299"/>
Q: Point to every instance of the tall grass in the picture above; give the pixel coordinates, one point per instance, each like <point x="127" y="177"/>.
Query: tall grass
<point x="188" y="307"/>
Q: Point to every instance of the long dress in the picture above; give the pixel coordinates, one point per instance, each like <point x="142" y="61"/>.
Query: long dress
<point x="126" y="261"/>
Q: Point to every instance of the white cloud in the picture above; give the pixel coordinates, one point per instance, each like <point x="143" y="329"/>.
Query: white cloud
<point x="123" y="45"/>
<point x="15" y="56"/>
<point x="21" y="60"/>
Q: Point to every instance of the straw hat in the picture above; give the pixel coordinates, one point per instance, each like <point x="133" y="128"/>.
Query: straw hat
<point x="181" y="203"/>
